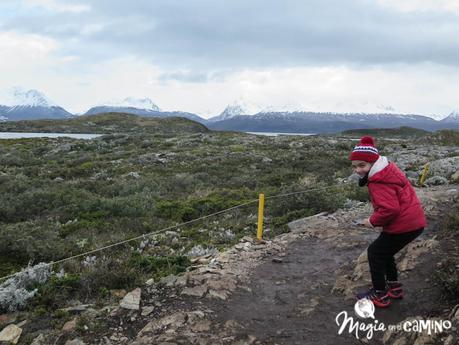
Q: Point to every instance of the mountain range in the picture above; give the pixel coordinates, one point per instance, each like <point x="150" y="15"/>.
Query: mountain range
<point x="19" y="104"/>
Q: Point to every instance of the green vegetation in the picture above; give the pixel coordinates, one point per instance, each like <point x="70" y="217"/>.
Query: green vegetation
<point x="62" y="196"/>
<point x="447" y="137"/>
<point x="447" y="274"/>
<point x="400" y="132"/>
<point x="107" y="123"/>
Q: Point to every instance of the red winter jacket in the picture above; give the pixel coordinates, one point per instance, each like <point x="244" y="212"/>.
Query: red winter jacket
<point x="396" y="207"/>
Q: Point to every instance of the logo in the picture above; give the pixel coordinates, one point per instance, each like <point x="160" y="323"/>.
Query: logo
<point x="365" y="308"/>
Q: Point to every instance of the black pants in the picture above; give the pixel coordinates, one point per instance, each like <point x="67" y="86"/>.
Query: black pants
<point x="381" y="256"/>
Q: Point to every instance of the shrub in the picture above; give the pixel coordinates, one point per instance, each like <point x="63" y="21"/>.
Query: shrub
<point x="16" y="291"/>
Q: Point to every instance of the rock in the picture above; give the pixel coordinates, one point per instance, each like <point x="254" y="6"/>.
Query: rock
<point x="194" y="316"/>
<point x="11" y="334"/>
<point x="197" y="291"/>
<point x="401" y="341"/>
<point x="7" y="318"/>
<point x="78" y="308"/>
<point x="150" y="282"/>
<point x="147" y="311"/>
<point x="425" y="339"/>
<point x="175" y="320"/>
<point x="307" y="309"/>
<point x="412" y="174"/>
<point x="134" y="174"/>
<point x="450" y="340"/>
<point x="75" y="342"/>
<point x="455" y="177"/>
<point x="40" y="340"/>
<point x="202" y="326"/>
<point x="266" y="160"/>
<point x="413" y="251"/>
<point x="436" y="181"/>
<point x="445" y="167"/>
<point x="69" y="326"/>
<point x="223" y="295"/>
<point x="169" y="280"/>
<point x="232" y="325"/>
<point x="199" y="250"/>
<point x="131" y="300"/>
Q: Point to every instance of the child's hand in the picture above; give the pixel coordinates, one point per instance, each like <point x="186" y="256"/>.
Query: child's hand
<point x="362" y="222"/>
<point x="366" y="223"/>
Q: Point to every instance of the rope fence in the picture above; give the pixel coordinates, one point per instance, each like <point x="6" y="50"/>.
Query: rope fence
<point x="143" y="236"/>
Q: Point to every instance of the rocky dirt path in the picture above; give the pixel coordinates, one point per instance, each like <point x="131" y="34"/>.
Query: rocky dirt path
<point x="286" y="291"/>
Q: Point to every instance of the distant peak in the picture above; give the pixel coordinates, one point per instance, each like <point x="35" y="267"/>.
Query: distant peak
<point x="18" y="96"/>
<point x="453" y="116"/>
<point x="133" y="102"/>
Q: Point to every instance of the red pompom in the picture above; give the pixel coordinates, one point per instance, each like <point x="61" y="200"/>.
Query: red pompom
<point x="367" y="140"/>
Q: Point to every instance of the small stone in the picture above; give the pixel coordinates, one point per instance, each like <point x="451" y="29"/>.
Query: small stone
<point x="147" y="311"/>
<point x="40" y="340"/>
<point x="75" y="342"/>
<point x="198" y="291"/>
<point x="202" y="326"/>
<point x="222" y="294"/>
<point x="115" y="312"/>
<point x="175" y="321"/>
<point x="78" y="308"/>
<point x="194" y="316"/>
<point x="150" y="282"/>
<point x="277" y="260"/>
<point x="69" y="326"/>
<point x="450" y="340"/>
<point x="169" y="280"/>
<point x="10" y="334"/>
<point x="131" y="300"/>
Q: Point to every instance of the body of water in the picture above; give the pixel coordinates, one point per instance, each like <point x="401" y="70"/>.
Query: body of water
<point x="275" y="134"/>
<point x="18" y="135"/>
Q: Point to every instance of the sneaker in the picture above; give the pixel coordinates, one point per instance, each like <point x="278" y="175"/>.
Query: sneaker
<point x="380" y="298"/>
<point x="394" y="289"/>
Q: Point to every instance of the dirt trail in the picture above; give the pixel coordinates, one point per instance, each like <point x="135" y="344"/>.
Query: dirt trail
<point x="296" y="301"/>
<point x="289" y="290"/>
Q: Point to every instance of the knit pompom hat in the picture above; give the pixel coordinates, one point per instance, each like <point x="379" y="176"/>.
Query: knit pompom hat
<point x="365" y="151"/>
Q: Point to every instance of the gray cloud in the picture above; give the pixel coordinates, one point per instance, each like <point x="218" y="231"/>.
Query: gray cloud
<point x="217" y="34"/>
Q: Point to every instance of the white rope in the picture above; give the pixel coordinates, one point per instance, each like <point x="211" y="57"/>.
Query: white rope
<point x="168" y="228"/>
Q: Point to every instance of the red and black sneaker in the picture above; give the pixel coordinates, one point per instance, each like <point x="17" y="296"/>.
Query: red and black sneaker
<point x="394" y="289"/>
<point x="380" y="298"/>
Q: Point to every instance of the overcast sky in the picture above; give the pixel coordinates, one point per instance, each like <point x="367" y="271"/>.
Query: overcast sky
<point x="200" y="55"/>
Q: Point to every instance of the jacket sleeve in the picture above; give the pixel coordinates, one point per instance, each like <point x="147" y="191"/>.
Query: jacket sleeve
<point x="385" y="203"/>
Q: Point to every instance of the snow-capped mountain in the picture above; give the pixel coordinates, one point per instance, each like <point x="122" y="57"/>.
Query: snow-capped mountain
<point x="236" y="108"/>
<point x="355" y="107"/>
<point x="140" y="107"/>
<point x="316" y="122"/>
<point x="132" y="102"/>
<point x="341" y="107"/>
<point x="20" y="104"/>
<point x="452" y="118"/>
<point x="17" y="96"/>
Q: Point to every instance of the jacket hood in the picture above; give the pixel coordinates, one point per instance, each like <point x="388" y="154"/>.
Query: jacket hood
<point x="384" y="171"/>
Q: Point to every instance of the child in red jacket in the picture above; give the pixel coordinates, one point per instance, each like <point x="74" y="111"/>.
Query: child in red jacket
<point x="396" y="209"/>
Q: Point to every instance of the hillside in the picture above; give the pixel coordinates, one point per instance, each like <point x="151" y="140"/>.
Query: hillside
<point x="401" y="132"/>
<point x="108" y="123"/>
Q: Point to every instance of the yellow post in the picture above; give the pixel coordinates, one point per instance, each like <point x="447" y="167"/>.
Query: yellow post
<point x="261" y="206"/>
<point x="423" y="176"/>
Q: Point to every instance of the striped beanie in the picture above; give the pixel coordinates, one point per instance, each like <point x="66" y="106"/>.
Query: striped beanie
<point x="365" y="151"/>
